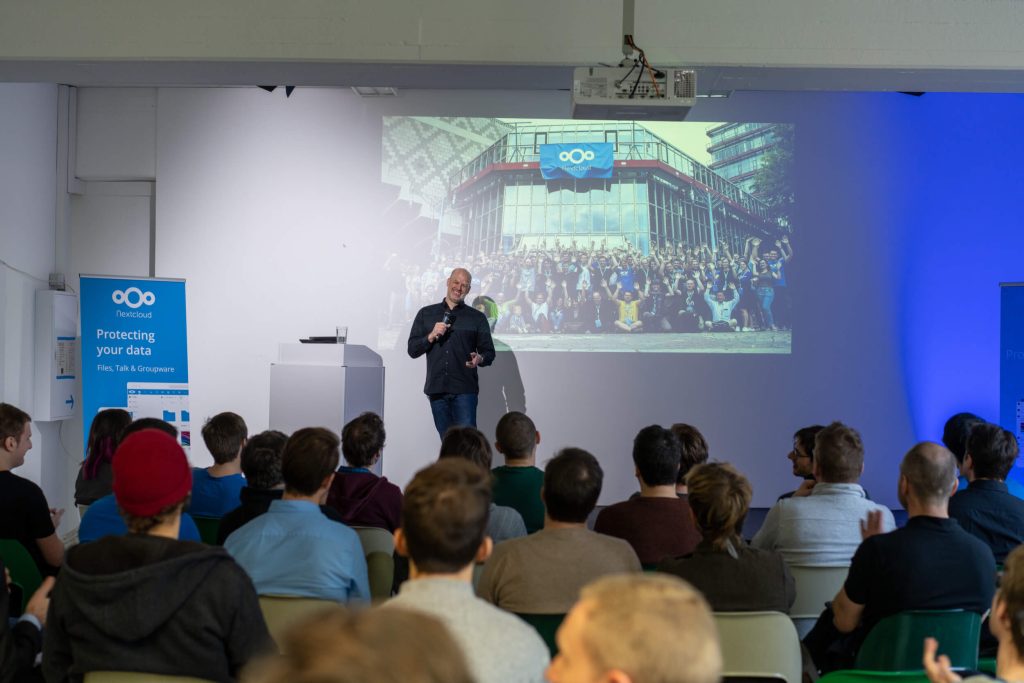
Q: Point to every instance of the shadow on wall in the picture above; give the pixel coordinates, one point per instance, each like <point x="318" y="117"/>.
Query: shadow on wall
<point x="501" y="391"/>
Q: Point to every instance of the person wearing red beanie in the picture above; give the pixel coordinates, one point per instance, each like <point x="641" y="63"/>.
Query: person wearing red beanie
<point x="147" y="602"/>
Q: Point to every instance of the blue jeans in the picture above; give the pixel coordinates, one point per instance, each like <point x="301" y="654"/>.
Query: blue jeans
<point x="453" y="410"/>
<point x="766" y="295"/>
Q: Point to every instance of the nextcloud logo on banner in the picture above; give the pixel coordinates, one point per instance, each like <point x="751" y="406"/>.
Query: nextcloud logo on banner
<point x="133" y="298"/>
<point x="577" y="160"/>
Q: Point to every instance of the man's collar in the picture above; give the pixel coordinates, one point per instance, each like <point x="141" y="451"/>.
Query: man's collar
<point x="444" y="302"/>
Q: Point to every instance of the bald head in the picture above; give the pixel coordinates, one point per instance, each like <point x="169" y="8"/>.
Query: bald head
<point x="930" y="473"/>
<point x="458" y="286"/>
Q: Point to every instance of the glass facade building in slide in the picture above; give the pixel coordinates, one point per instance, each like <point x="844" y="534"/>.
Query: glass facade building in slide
<point x="657" y="196"/>
<point x="737" y="150"/>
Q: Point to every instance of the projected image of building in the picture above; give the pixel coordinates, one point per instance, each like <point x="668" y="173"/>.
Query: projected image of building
<point x="656" y="195"/>
<point x="739" y="149"/>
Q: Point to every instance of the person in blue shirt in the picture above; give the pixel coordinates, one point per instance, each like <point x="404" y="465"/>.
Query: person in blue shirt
<point x="216" y="490"/>
<point x="293" y="549"/>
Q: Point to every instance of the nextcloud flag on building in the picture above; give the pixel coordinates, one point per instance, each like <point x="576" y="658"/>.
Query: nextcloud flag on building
<point x="577" y="160"/>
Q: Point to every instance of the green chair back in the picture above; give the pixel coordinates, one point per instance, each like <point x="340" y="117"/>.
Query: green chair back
<point x="546" y="625"/>
<point x="759" y="645"/>
<point x="379" y="548"/>
<point x="894" y="644"/>
<point x="281" y="611"/>
<point x="859" y="676"/>
<point x="22" y="567"/>
<point x="138" y="677"/>
<point x="814" y="587"/>
<point x="208" y="528"/>
<point x="987" y="665"/>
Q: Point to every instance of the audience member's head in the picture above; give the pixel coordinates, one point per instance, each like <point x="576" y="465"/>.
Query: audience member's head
<point x="927" y="476"/>
<point x="802" y="455"/>
<point x="1007" y="620"/>
<point x="656" y="456"/>
<point x="838" y="454"/>
<point x="720" y="499"/>
<point x="638" y="628"/>
<point x="104" y="436"/>
<point x="224" y="435"/>
<point x="150" y="423"/>
<point x="991" y="452"/>
<point x="362" y="440"/>
<point x="572" y="484"/>
<point x="15" y="436"/>
<point x="468" y="443"/>
<point x="444" y="516"/>
<point x="516" y="437"/>
<point x="339" y="645"/>
<point x="955" y="433"/>
<point x="693" y="449"/>
<point x="308" y="461"/>
<point x="152" y="479"/>
<point x="261" y="460"/>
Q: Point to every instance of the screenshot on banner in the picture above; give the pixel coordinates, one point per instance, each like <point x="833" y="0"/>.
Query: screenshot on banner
<point x="600" y="236"/>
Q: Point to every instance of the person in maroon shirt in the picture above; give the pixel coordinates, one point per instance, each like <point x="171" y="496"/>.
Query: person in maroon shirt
<point x="360" y="496"/>
<point x="657" y="523"/>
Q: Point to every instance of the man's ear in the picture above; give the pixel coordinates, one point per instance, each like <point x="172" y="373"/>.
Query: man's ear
<point x="400" y="543"/>
<point x="485" y="549"/>
<point x="538" y="438"/>
<point x="9" y="444"/>
<point x="616" y="676"/>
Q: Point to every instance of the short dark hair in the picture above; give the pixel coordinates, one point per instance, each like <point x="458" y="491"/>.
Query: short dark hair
<point x="805" y="437"/>
<point x="444" y="515"/>
<point x="839" y="453"/>
<point x="310" y="455"/>
<point x="362" y="439"/>
<point x="930" y="471"/>
<point x="516" y="435"/>
<point x="224" y="434"/>
<point x="693" y="448"/>
<point x="572" y="485"/>
<point x="468" y="443"/>
<point x="261" y="459"/>
<point x="149" y="423"/>
<point x="142" y="525"/>
<point x="956" y="431"/>
<point x="993" y="451"/>
<point x="12" y="421"/>
<point x="656" y="455"/>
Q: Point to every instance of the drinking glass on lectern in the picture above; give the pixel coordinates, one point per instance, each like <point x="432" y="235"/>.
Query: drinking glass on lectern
<point x="341" y="334"/>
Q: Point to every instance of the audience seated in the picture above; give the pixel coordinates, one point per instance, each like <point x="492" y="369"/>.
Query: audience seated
<point x="802" y="457"/>
<point x="103" y="518"/>
<point x="379" y="646"/>
<point x="147" y="602"/>
<point x="360" y="496"/>
<point x="1006" y="623"/>
<point x="657" y="523"/>
<point x="543" y="572"/>
<point x="931" y="563"/>
<point x="820" y="524"/>
<point x="95" y="476"/>
<point x="638" y="629"/>
<point x="469" y="443"/>
<point x="986" y="509"/>
<point x="24" y="513"/>
<point x="693" y="451"/>
<point x="732" y="576"/>
<point x="954" y="437"/>
<point x="444" y="517"/>
<point x="21" y="637"/>
<point x="518" y="482"/>
<point x="216" y="489"/>
<point x="292" y="549"/>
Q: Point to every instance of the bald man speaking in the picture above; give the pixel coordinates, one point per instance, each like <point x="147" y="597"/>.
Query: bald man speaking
<point x="457" y="340"/>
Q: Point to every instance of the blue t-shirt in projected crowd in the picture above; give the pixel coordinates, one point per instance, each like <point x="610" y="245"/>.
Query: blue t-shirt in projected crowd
<point x="103" y="519"/>
<point x="215" y="496"/>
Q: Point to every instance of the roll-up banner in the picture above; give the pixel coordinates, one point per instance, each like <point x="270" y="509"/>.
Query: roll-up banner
<point x="134" y="352"/>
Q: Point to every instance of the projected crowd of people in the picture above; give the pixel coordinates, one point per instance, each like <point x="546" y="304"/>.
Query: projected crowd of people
<point x="598" y="287"/>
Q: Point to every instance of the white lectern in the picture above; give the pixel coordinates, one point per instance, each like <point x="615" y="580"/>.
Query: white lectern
<point x="324" y="385"/>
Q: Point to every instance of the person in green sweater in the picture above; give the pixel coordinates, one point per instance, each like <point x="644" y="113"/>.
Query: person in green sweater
<point x="517" y="484"/>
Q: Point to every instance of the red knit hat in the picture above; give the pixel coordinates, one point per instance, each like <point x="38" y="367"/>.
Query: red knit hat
<point x="150" y="473"/>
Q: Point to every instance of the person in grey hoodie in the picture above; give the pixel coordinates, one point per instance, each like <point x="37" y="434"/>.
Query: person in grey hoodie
<point x="147" y="602"/>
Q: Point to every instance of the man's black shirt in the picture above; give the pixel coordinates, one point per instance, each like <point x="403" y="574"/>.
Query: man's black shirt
<point x="446" y="358"/>
<point x="987" y="510"/>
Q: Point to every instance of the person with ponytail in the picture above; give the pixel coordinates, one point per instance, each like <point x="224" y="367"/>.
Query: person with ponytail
<point x="732" y="576"/>
<point x="95" y="477"/>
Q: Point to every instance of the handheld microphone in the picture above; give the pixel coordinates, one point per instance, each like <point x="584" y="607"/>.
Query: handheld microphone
<point x="449" y="319"/>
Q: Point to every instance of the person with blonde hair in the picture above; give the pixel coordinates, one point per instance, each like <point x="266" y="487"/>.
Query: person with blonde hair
<point x="638" y="628"/>
<point x="339" y="645"/>
<point x="731" y="575"/>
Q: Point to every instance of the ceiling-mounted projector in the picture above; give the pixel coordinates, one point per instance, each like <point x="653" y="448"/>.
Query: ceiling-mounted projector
<point x="633" y="94"/>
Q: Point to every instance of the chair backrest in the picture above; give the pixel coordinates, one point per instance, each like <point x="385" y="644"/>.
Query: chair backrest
<point x="759" y="645"/>
<point x="208" y="528"/>
<point x="138" y="677"/>
<point x="859" y="676"/>
<point x="894" y="643"/>
<point x="281" y="611"/>
<point x="546" y="625"/>
<point x="22" y="567"/>
<point x="814" y="587"/>
<point x="379" y="548"/>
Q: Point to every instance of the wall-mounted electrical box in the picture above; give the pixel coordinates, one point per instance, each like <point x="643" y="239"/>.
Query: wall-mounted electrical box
<point x="56" y="361"/>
